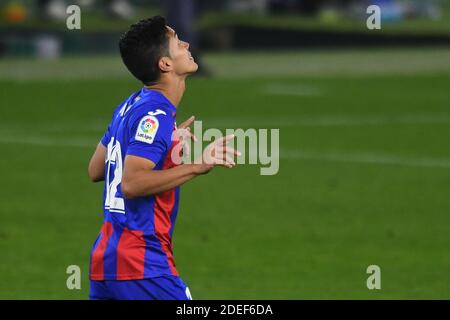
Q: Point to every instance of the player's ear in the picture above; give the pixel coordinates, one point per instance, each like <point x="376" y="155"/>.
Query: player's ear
<point x="165" y="64"/>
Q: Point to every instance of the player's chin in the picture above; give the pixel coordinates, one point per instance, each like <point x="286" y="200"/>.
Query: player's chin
<point x="193" y="67"/>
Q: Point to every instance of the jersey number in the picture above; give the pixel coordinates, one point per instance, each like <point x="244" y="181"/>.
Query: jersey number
<point x="113" y="202"/>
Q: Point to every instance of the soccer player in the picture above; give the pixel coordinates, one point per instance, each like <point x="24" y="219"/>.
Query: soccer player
<point x="132" y="257"/>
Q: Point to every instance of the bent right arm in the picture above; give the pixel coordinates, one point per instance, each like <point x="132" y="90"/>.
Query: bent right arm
<point x="139" y="179"/>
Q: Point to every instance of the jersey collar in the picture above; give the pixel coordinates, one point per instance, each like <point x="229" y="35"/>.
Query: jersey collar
<point x="162" y="98"/>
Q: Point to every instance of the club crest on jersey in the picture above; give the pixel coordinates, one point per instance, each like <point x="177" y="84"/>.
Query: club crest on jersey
<point x="147" y="129"/>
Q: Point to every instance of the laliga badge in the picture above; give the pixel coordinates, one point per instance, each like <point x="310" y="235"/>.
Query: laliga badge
<point x="146" y="131"/>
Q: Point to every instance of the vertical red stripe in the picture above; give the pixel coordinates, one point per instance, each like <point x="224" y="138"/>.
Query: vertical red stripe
<point x="97" y="269"/>
<point x="164" y="203"/>
<point x="131" y="255"/>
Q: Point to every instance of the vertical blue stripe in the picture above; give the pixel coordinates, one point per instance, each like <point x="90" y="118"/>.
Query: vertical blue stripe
<point x="110" y="256"/>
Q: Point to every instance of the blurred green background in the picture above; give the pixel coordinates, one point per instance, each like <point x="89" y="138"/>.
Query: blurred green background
<point x="364" y="160"/>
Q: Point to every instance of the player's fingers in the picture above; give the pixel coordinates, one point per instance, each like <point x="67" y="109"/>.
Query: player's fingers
<point x="224" y="163"/>
<point x="186" y="149"/>
<point x="220" y="150"/>
<point x="232" y="151"/>
<point x="230" y="160"/>
<point x="191" y="135"/>
<point x="224" y="140"/>
<point x="182" y="134"/>
<point x="187" y="123"/>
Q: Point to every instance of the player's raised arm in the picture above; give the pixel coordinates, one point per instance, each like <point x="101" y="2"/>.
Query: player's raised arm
<point x="96" y="168"/>
<point x="139" y="179"/>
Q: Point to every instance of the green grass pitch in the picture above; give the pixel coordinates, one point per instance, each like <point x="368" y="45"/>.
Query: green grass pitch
<point x="364" y="176"/>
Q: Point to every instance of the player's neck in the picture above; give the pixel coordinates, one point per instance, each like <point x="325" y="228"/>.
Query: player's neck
<point x="172" y="90"/>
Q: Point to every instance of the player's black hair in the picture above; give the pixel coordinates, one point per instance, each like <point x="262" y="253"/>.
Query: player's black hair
<point x="143" y="45"/>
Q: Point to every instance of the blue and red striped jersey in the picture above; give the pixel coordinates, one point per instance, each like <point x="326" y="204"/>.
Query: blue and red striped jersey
<point x="135" y="240"/>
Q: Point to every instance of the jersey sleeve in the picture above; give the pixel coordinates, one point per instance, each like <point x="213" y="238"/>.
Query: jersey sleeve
<point x="106" y="137"/>
<point x="150" y="134"/>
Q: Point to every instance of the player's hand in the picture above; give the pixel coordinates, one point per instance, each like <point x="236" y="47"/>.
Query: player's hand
<point x="185" y="134"/>
<point x="218" y="153"/>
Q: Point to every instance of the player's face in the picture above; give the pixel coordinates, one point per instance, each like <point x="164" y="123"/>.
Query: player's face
<point x="183" y="62"/>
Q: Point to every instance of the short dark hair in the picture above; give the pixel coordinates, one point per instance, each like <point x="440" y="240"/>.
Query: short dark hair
<point x="142" y="46"/>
